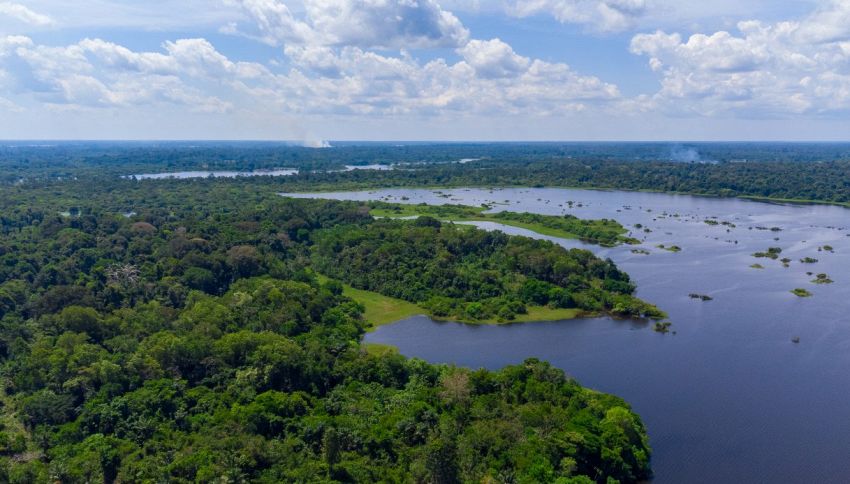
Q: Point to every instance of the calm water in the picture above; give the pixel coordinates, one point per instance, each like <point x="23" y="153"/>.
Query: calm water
<point x="214" y="174"/>
<point x="729" y="397"/>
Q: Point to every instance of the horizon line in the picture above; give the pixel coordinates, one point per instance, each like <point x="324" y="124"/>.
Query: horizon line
<point x="304" y="143"/>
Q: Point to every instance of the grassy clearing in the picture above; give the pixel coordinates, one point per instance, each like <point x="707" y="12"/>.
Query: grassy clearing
<point x="379" y="349"/>
<point x="536" y="314"/>
<point x="543" y="313"/>
<point x="381" y="310"/>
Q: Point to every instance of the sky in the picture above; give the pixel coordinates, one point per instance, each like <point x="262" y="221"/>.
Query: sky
<point x="452" y="70"/>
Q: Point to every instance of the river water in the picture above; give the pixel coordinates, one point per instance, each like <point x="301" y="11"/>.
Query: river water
<point x="754" y="386"/>
<point x="183" y="175"/>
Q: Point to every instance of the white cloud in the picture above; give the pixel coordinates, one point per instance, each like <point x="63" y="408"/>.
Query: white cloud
<point x="24" y="14"/>
<point x="334" y="68"/>
<point x="490" y="78"/>
<point x="361" y="23"/>
<point x="493" y="58"/>
<point x="95" y="73"/>
<point x="760" y="69"/>
<point x="830" y="23"/>
<point x="604" y="15"/>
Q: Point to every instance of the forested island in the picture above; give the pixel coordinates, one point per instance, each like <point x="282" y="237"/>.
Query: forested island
<point x="605" y="232"/>
<point x="187" y="331"/>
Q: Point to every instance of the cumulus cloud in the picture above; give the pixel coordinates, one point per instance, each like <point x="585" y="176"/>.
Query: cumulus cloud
<point x="489" y="78"/>
<point x="336" y="50"/>
<point x="493" y="58"/>
<point x="360" y="23"/>
<point x="340" y="57"/>
<point x="96" y="73"/>
<point x="603" y="15"/>
<point x="760" y="69"/>
<point x="24" y="14"/>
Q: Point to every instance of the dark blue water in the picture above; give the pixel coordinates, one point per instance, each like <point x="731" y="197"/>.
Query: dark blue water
<point x="729" y="397"/>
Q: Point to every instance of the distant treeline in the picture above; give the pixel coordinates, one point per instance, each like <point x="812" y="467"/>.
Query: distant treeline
<point x="819" y="181"/>
<point x="806" y="171"/>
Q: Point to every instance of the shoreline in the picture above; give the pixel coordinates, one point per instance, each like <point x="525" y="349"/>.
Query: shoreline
<point x="751" y="198"/>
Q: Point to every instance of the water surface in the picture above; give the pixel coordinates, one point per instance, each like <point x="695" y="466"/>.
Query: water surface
<point x="729" y="397"/>
<point x="214" y="174"/>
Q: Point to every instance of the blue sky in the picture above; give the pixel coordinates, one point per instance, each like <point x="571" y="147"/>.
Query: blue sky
<point x="314" y="70"/>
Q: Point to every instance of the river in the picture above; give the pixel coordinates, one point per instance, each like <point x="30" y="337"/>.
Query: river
<point x="754" y="386"/>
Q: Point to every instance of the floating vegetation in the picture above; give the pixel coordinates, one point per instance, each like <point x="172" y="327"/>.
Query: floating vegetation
<point x="786" y="262"/>
<point x="719" y="222"/>
<point x="672" y="248"/>
<point x="757" y="266"/>
<point x="822" y="279"/>
<point x="640" y="251"/>
<point x="703" y="297"/>
<point x="772" y="253"/>
<point x="800" y="292"/>
<point x="662" y="327"/>
<point x="795" y="339"/>
<point x="827" y="248"/>
<point x="808" y="260"/>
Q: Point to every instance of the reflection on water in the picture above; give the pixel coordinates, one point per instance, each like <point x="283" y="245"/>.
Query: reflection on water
<point x="728" y="398"/>
<point x="213" y="174"/>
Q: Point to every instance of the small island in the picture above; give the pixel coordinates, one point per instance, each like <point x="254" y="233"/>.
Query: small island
<point x="770" y="253"/>
<point x="605" y="232"/>
<point x="800" y="292"/>
<point x="822" y="279"/>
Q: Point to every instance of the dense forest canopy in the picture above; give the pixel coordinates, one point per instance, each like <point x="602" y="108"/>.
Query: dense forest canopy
<point x="472" y="274"/>
<point x="178" y="331"/>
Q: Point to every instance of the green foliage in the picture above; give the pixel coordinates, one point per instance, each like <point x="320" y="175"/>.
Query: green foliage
<point x="193" y="343"/>
<point x="471" y="274"/>
<point x="604" y="232"/>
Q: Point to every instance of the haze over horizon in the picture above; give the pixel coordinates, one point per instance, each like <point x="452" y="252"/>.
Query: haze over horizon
<point x="404" y="70"/>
